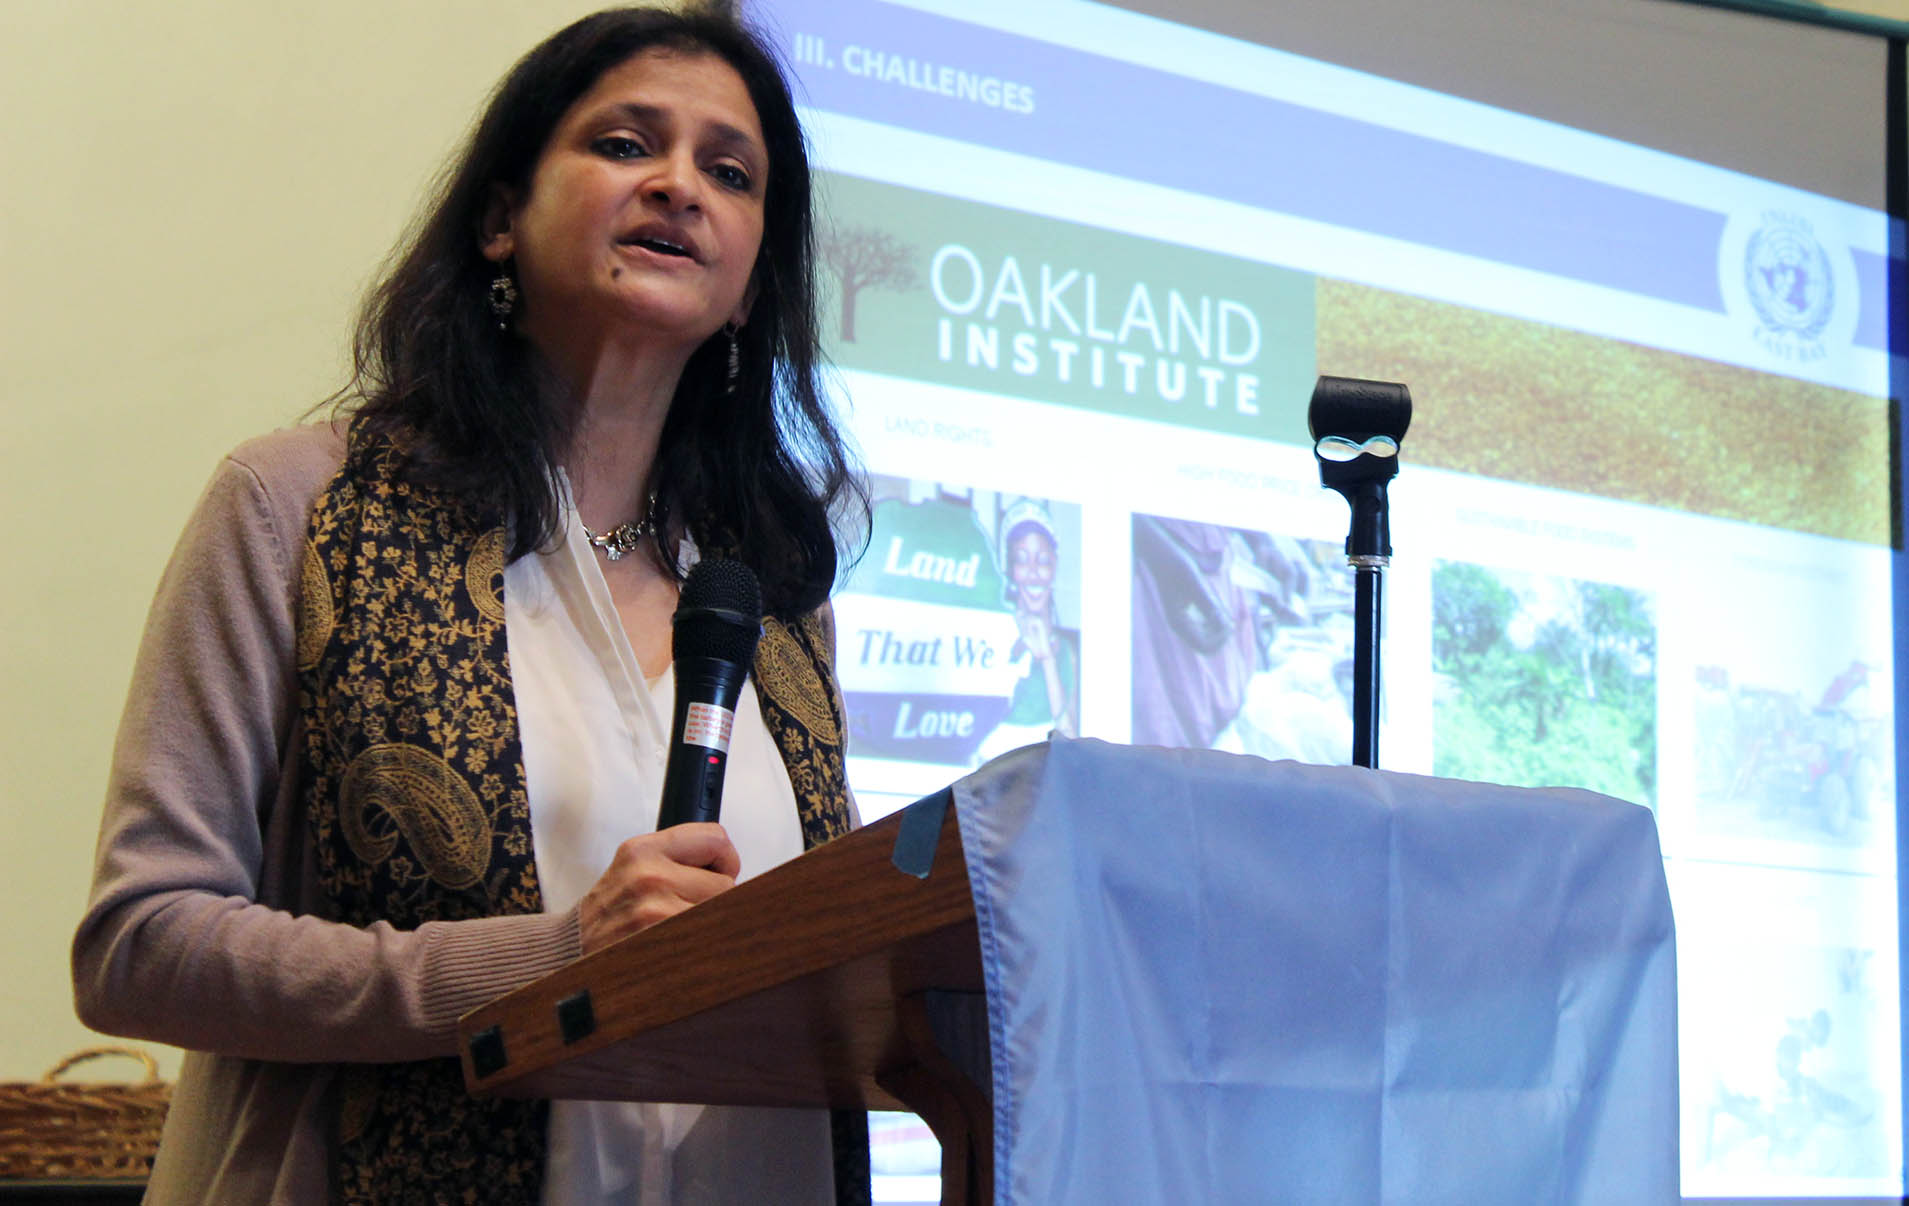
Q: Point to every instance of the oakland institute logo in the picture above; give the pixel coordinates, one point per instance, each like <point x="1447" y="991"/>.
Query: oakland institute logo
<point x="1787" y="277"/>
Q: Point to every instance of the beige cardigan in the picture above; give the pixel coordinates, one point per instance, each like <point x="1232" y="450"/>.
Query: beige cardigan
<point x="200" y="929"/>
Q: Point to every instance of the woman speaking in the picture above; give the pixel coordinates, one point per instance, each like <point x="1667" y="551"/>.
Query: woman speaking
<point x="396" y="733"/>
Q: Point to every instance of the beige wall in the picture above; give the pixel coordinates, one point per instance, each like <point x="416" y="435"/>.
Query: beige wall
<point x="196" y="194"/>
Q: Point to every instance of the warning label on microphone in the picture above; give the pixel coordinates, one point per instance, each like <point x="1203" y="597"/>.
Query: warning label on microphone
<point x="708" y="726"/>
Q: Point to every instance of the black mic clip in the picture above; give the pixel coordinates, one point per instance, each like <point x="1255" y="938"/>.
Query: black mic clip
<point x="1356" y="426"/>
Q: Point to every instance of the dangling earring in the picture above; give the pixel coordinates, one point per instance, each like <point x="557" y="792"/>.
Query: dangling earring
<point x="735" y="359"/>
<point x="503" y="298"/>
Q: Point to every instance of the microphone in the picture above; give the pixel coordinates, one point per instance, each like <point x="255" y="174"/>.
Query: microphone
<point x="715" y="630"/>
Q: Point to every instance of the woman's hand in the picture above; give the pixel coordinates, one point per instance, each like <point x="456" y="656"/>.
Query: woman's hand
<point x="655" y="876"/>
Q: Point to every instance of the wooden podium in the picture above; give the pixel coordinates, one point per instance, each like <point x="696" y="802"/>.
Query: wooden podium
<point x="834" y="980"/>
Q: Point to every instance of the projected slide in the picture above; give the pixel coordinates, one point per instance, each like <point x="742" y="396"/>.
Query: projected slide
<point x="1082" y="268"/>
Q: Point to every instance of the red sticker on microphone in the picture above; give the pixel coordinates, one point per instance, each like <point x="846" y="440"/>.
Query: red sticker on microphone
<point x="708" y="726"/>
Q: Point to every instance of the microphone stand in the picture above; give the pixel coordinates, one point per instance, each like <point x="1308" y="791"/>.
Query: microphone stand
<point x="1356" y="427"/>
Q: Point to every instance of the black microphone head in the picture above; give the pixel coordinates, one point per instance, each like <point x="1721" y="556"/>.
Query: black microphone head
<point x="720" y="613"/>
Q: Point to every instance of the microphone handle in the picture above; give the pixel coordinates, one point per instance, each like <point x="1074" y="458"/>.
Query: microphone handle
<point x="706" y="693"/>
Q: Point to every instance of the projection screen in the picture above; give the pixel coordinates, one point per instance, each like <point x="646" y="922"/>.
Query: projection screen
<point x="1082" y="268"/>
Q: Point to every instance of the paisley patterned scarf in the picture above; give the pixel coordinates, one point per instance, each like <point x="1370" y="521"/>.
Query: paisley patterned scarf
<point x="413" y="786"/>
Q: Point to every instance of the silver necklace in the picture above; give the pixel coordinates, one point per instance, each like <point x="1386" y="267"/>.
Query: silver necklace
<point x="625" y="538"/>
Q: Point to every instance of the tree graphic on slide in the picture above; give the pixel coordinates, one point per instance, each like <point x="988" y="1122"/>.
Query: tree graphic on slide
<point x="864" y="257"/>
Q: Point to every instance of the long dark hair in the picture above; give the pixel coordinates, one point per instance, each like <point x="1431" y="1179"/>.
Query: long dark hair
<point x="756" y="472"/>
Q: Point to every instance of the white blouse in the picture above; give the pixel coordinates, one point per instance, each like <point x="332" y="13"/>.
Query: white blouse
<point x="595" y="737"/>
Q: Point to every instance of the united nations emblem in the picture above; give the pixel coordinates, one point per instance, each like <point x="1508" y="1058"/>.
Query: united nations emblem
<point x="1786" y="275"/>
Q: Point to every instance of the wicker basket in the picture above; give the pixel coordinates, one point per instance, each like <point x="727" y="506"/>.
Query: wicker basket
<point x="59" y="1131"/>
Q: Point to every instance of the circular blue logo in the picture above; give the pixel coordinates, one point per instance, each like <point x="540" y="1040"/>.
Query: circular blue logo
<point x="1787" y="275"/>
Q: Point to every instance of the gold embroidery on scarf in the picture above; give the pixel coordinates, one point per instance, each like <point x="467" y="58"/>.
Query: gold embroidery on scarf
<point x="788" y="676"/>
<point x="314" y="608"/>
<point x="414" y="791"/>
<point x="431" y="803"/>
<point x="793" y="671"/>
<point x="820" y="627"/>
<point x="484" y="574"/>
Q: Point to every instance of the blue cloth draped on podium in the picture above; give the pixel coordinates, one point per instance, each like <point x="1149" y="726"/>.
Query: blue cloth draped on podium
<point x="1216" y="979"/>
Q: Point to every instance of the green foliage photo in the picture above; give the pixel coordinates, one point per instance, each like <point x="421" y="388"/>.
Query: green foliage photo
<point x="1543" y="682"/>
